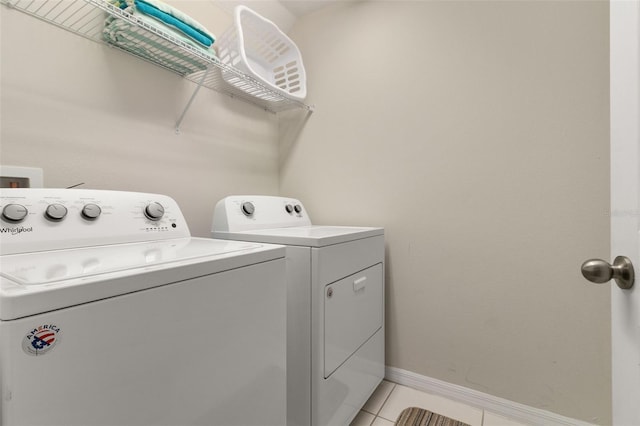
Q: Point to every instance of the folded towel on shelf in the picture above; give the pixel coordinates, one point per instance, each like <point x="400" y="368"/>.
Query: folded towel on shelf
<point x="135" y="39"/>
<point x="123" y="4"/>
<point x="169" y="16"/>
<point x="177" y="20"/>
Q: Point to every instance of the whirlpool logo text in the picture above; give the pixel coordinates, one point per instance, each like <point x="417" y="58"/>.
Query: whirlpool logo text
<point x="16" y="231"/>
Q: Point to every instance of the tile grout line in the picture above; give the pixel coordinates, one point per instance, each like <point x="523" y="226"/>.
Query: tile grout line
<point x="384" y="402"/>
<point x="375" y="415"/>
<point x="387" y="398"/>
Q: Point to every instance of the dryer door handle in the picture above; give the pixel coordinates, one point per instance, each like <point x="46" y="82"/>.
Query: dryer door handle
<point x="359" y="284"/>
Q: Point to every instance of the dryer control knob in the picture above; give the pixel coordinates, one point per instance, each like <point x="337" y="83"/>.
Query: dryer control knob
<point x="91" y="211"/>
<point x="288" y="208"/>
<point x="154" y="211"/>
<point x="14" y="212"/>
<point x="55" y="212"/>
<point x="297" y="208"/>
<point x="248" y="208"/>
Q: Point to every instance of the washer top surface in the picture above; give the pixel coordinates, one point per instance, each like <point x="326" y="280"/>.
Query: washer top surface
<point x="93" y="263"/>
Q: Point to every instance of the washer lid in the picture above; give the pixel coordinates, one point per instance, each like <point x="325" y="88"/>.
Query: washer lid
<point x="54" y="266"/>
<point x="310" y="236"/>
<point x="31" y="283"/>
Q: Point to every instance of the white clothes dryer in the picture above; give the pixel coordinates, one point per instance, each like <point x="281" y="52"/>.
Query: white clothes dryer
<point x="335" y="304"/>
<point x="112" y="314"/>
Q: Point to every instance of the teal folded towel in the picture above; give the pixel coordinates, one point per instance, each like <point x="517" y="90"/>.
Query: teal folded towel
<point x="133" y="38"/>
<point x="197" y="34"/>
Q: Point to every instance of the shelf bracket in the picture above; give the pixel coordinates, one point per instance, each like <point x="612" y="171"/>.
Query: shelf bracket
<point x="193" y="95"/>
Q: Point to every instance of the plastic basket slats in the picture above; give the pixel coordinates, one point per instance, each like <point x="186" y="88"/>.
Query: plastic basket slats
<point x="257" y="47"/>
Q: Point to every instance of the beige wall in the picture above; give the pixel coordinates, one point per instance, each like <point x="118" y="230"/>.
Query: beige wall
<point x="85" y="112"/>
<point x="476" y="133"/>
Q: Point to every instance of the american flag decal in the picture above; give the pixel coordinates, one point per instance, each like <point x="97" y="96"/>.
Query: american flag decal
<point x="41" y="339"/>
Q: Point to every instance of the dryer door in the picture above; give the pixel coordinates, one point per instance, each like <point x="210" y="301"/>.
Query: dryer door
<point x="353" y="312"/>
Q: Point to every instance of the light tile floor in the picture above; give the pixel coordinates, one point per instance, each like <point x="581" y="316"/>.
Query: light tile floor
<point x="389" y="399"/>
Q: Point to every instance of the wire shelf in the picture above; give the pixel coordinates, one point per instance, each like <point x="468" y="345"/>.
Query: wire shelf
<point x="86" y="18"/>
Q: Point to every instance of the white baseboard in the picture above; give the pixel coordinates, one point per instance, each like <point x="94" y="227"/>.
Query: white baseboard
<point x="503" y="407"/>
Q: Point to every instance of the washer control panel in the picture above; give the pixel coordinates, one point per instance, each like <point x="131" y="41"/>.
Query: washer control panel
<point x="38" y="219"/>
<point x="249" y="212"/>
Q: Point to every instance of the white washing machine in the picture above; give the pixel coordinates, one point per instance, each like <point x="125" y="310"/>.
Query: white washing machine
<point x="112" y="314"/>
<point x="335" y="304"/>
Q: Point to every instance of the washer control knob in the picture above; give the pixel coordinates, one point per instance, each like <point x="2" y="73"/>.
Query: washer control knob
<point x="288" y="208"/>
<point x="154" y="211"/>
<point x="14" y="212"/>
<point x="297" y="208"/>
<point x="248" y="208"/>
<point x="55" y="212"/>
<point x="91" y="211"/>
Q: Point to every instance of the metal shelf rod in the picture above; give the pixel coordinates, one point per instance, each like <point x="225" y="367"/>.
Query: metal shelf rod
<point x="193" y="95"/>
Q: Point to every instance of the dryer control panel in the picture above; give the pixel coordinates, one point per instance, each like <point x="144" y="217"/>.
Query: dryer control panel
<point x="239" y="213"/>
<point x="38" y="219"/>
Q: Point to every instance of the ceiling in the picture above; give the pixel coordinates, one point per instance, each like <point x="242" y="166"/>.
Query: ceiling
<point x="284" y="13"/>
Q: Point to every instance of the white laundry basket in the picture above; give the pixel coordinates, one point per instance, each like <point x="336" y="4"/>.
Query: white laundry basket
<point x="256" y="47"/>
